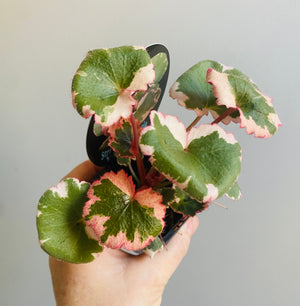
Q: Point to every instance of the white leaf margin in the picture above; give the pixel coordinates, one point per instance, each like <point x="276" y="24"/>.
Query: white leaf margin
<point x="223" y="92"/>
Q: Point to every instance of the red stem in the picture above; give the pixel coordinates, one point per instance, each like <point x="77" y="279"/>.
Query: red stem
<point x="193" y="123"/>
<point x="139" y="160"/>
<point x="229" y="111"/>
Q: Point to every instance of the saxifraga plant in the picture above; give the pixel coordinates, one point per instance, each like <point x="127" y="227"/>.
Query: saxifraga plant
<point x="163" y="165"/>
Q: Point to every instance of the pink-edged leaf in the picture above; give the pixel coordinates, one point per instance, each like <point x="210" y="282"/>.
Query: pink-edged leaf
<point x="146" y="102"/>
<point x="121" y="137"/>
<point x="193" y="92"/>
<point x="234" y="89"/>
<point x="116" y="215"/>
<point x="106" y="79"/>
<point x="204" y="163"/>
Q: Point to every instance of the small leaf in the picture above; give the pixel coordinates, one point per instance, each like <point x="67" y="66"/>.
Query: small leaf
<point x="234" y="193"/>
<point x="147" y="102"/>
<point x="160" y="63"/>
<point x="168" y="194"/>
<point x="119" y="216"/>
<point x="97" y="129"/>
<point x="123" y="161"/>
<point x="235" y="90"/>
<point x="106" y="79"/>
<point x="154" y="247"/>
<point x="60" y="225"/>
<point x="203" y="163"/>
<point x="121" y="136"/>
<point x="185" y="205"/>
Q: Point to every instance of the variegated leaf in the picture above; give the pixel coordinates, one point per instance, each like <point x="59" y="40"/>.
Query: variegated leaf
<point x="121" y="136"/>
<point x="106" y="79"/>
<point x="97" y="129"/>
<point x="185" y="205"/>
<point x="203" y="163"/>
<point x="234" y="193"/>
<point x="160" y="63"/>
<point x="154" y="247"/>
<point x="147" y="102"/>
<point x="235" y="90"/>
<point x="116" y="215"/>
<point x="60" y="225"/>
<point x="193" y="92"/>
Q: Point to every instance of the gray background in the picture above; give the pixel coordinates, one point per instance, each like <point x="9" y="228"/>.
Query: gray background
<point x="247" y="255"/>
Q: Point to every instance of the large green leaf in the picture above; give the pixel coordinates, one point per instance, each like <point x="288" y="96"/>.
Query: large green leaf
<point x="234" y="89"/>
<point x="118" y="216"/>
<point x="105" y="80"/>
<point x="203" y="163"/>
<point x="193" y="92"/>
<point x="60" y="225"/>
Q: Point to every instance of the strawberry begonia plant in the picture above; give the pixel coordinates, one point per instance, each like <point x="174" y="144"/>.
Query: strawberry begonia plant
<point x="189" y="167"/>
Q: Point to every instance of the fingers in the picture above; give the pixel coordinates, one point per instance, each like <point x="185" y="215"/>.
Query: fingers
<point x="169" y="259"/>
<point x="86" y="171"/>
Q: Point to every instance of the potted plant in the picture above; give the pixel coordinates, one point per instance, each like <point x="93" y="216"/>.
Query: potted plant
<point x="156" y="172"/>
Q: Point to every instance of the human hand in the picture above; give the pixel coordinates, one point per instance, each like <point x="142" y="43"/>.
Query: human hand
<point x="116" y="278"/>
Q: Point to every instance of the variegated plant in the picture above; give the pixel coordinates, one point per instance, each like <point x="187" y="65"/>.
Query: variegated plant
<point x="189" y="167"/>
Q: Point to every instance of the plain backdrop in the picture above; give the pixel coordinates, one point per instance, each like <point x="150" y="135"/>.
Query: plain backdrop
<point x="244" y="256"/>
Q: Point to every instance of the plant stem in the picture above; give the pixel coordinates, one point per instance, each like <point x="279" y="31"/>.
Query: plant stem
<point x="194" y="123"/>
<point x="133" y="173"/>
<point x="229" y="111"/>
<point x="139" y="160"/>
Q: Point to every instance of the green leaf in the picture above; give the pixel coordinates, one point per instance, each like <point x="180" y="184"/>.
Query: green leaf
<point x="186" y="205"/>
<point x="106" y="79"/>
<point x="154" y="247"/>
<point x="121" y="136"/>
<point x="97" y="129"/>
<point x="147" y="102"/>
<point x="160" y="62"/>
<point x="60" y="225"/>
<point x="118" y="216"/>
<point x="193" y="92"/>
<point x="235" y="90"/>
<point x="203" y="163"/>
<point x="235" y="192"/>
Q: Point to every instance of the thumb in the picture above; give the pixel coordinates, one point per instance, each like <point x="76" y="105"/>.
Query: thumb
<point x="169" y="258"/>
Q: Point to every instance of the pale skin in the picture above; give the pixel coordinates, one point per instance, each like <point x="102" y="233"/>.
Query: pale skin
<point x="115" y="278"/>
